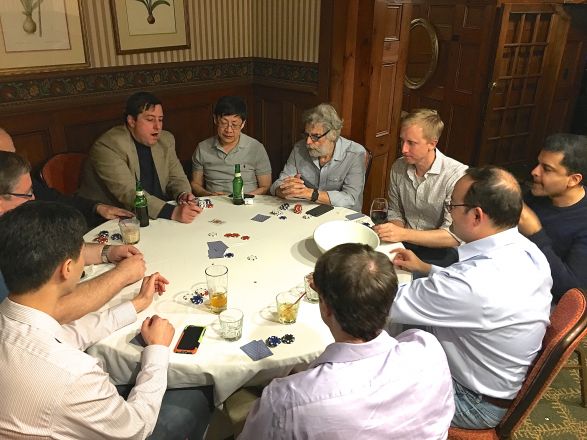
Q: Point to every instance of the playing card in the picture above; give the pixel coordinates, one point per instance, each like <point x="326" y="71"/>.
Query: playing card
<point x="354" y="215"/>
<point x="260" y="218"/>
<point x="217" y="221"/>
<point x="216" y="249"/>
<point x="138" y="340"/>
<point x="256" y="350"/>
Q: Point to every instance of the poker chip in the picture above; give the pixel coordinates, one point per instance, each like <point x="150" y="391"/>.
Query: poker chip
<point x="229" y="255"/>
<point x="101" y="239"/>
<point x="103" y="233"/>
<point x="212" y="234"/>
<point x="306" y="216"/>
<point x="202" y="291"/>
<point x="252" y="257"/>
<point x="298" y="208"/>
<point x="276" y="212"/>
<point x="197" y="299"/>
<point x="272" y="341"/>
<point x="232" y="235"/>
<point x="288" y="339"/>
<point x="116" y="237"/>
<point x="284" y="206"/>
<point x="202" y="204"/>
<point x="245" y="237"/>
<point x="282" y="217"/>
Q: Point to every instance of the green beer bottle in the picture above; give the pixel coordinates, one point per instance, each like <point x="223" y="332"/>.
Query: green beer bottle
<point x="141" y="209"/>
<point x="237" y="186"/>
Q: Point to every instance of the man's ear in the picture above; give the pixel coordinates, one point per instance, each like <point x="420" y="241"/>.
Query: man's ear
<point x="575" y="180"/>
<point x="131" y="121"/>
<point x="66" y="269"/>
<point x="479" y="215"/>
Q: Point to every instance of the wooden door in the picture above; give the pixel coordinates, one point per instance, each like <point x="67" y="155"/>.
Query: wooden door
<point x="527" y="60"/>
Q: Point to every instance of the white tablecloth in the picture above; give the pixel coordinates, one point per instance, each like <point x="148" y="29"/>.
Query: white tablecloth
<point x="275" y="258"/>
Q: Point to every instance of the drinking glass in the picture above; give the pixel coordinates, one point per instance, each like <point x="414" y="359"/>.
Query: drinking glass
<point x="130" y="230"/>
<point x="231" y="324"/>
<point x="378" y="212"/>
<point x="217" y="281"/>
<point x="287" y="306"/>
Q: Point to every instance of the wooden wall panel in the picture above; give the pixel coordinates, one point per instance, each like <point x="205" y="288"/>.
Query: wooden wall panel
<point x="458" y="87"/>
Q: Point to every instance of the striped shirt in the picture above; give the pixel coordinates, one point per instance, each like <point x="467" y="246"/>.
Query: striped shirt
<point x="51" y="389"/>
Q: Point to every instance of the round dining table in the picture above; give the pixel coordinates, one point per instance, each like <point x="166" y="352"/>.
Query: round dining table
<point x="268" y="249"/>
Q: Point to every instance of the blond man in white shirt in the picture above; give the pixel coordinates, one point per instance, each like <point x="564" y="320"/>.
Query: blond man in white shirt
<point x="52" y="389"/>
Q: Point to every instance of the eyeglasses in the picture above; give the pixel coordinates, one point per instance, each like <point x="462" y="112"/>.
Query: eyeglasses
<point x="22" y="196"/>
<point x="314" y="137"/>
<point x="225" y="124"/>
<point x="449" y="206"/>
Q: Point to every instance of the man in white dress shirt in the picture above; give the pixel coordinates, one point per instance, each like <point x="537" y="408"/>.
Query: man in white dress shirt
<point x="490" y="309"/>
<point x="421" y="181"/>
<point x="366" y="385"/>
<point x="51" y="389"/>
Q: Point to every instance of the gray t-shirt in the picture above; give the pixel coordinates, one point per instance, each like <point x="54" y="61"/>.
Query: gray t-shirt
<point x="218" y="166"/>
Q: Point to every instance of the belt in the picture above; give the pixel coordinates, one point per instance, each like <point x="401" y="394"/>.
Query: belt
<point x="501" y="403"/>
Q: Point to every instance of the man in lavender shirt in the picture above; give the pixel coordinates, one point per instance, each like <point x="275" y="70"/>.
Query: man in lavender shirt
<point x="366" y="384"/>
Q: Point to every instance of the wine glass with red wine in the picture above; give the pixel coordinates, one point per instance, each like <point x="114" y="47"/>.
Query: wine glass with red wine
<point x="379" y="211"/>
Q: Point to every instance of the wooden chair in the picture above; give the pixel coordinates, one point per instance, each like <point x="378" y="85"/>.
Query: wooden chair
<point x="568" y="326"/>
<point x="581" y="365"/>
<point x="62" y="171"/>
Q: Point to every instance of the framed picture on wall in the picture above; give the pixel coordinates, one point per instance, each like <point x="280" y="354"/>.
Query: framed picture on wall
<point x="41" y="35"/>
<point x="149" y="25"/>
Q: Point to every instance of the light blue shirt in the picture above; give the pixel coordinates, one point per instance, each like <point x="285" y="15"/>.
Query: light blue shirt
<point x="343" y="178"/>
<point x="489" y="311"/>
<point x="385" y="388"/>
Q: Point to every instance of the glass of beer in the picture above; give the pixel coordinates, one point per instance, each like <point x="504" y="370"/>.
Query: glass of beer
<point x="217" y="281"/>
<point x="287" y="306"/>
<point x="378" y="212"/>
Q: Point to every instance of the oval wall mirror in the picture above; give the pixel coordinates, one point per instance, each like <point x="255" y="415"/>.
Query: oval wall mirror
<point x="422" y="53"/>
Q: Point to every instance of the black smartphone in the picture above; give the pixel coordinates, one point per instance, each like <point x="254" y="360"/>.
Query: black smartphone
<point x="189" y="341"/>
<point x="319" y="210"/>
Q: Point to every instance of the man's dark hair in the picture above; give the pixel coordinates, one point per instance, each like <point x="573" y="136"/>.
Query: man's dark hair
<point x="574" y="150"/>
<point x="359" y="285"/>
<point x="12" y="166"/>
<point x="496" y="192"/>
<point x="35" y="238"/>
<point x="231" y="105"/>
<point x="138" y="102"/>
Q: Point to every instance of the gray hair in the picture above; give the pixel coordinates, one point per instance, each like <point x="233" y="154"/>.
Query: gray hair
<point x="326" y="115"/>
<point x="12" y="166"/>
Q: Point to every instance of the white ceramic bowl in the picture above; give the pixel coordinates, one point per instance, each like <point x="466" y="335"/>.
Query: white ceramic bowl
<point x="336" y="232"/>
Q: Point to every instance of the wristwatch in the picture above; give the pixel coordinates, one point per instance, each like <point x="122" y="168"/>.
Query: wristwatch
<point x="104" y="253"/>
<point x="314" y="195"/>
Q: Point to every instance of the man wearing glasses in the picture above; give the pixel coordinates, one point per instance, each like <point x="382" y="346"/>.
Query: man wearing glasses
<point x="139" y="149"/>
<point x="214" y="159"/>
<point x="490" y="309"/>
<point x="323" y="167"/>
<point x="94" y="212"/>
<point x="420" y="182"/>
<point x="15" y="190"/>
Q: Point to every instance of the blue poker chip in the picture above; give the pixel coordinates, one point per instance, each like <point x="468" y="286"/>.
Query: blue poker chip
<point x="288" y="339"/>
<point x="116" y="237"/>
<point x="282" y="217"/>
<point x="272" y="341"/>
<point x="197" y="299"/>
<point x="229" y="255"/>
<point x="103" y="233"/>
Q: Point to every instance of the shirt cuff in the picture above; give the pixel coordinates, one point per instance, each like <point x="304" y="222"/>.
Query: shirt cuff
<point x="435" y="269"/>
<point x="155" y="355"/>
<point x="124" y="314"/>
<point x="166" y="211"/>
